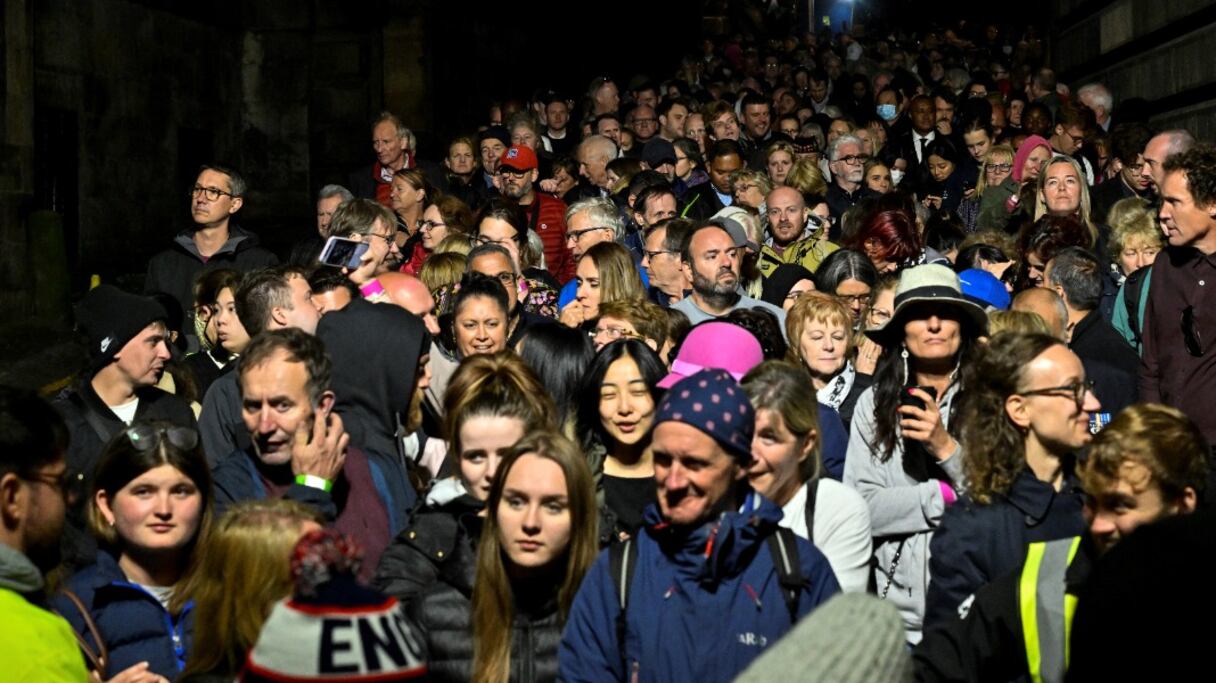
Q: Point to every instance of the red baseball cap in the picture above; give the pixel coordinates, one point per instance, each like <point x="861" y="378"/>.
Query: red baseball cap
<point x="518" y="157"/>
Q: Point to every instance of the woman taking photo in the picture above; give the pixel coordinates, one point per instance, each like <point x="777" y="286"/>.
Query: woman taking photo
<point x="244" y="571"/>
<point x="151" y="513"/>
<point x="820" y="330"/>
<point x="606" y="273"/>
<point x="620" y="393"/>
<point x="945" y="168"/>
<point x="985" y="209"/>
<point x="902" y="458"/>
<point x="503" y="620"/>
<point x="786" y="469"/>
<point x="491" y="402"/>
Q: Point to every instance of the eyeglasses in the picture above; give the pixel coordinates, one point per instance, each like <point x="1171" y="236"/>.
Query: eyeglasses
<point x="389" y="238"/>
<point x="1190" y="333"/>
<point x="69" y="484"/>
<point x="146" y="437"/>
<point x="859" y="299"/>
<point x="879" y="316"/>
<point x="425" y="224"/>
<point x="211" y="193"/>
<point x="507" y="278"/>
<point x="1075" y="390"/>
<point x="514" y="173"/>
<point x="653" y="254"/>
<point x="998" y="168"/>
<point x="576" y="234"/>
<point x="612" y="333"/>
<point x="854" y="159"/>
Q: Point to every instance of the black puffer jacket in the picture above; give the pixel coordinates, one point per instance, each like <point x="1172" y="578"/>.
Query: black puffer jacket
<point x="443" y="615"/>
<point x="413" y="560"/>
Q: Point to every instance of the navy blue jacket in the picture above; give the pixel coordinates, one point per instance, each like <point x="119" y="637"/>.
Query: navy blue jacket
<point x="702" y="604"/>
<point x="977" y="544"/>
<point x="833" y="441"/>
<point x="132" y="622"/>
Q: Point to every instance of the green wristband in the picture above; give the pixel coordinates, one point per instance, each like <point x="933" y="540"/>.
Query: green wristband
<point x="314" y="482"/>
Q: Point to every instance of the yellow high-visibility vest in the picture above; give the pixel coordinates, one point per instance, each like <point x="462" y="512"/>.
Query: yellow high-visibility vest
<point x="1046" y="607"/>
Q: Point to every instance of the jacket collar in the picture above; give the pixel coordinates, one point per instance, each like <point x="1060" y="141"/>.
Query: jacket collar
<point x="720" y="547"/>
<point x="1034" y="498"/>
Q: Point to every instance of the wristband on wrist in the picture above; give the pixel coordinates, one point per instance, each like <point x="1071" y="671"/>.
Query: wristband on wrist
<point x="948" y="493"/>
<point x="371" y="288"/>
<point x="314" y="482"/>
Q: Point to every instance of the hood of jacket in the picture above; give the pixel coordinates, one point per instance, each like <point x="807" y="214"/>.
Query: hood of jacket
<point x="239" y="239"/>
<point x="17" y="572"/>
<point x="721" y="547"/>
<point x="375" y="349"/>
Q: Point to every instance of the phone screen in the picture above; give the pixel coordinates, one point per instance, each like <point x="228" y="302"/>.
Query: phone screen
<point x="343" y="253"/>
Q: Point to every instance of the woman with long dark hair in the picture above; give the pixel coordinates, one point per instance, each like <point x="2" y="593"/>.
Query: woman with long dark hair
<point x="619" y="395"/>
<point x="559" y="356"/>
<point x="902" y="456"/>
<point x="151" y="513"/>
<point x="500" y="618"/>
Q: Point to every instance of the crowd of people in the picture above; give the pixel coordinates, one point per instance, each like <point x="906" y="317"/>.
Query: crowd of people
<point x="630" y="386"/>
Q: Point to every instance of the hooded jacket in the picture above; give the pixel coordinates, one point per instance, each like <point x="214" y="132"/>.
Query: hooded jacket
<point x="174" y="270"/>
<point x="703" y="603"/>
<point x="375" y="349"/>
<point x="35" y="644"/>
<point x="133" y="623"/>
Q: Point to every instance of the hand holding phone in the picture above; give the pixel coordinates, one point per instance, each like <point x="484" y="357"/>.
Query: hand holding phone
<point x="341" y="252"/>
<point x="920" y="419"/>
<point x="320" y="447"/>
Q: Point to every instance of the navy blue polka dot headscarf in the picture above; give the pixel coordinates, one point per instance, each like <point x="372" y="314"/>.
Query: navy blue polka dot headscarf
<point x="712" y="401"/>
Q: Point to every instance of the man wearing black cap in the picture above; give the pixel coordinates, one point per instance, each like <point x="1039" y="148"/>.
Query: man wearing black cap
<point x="710" y="581"/>
<point x="660" y="155"/>
<point x="546" y="214"/>
<point x="491" y="143"/>
<point x="127" y="346"/>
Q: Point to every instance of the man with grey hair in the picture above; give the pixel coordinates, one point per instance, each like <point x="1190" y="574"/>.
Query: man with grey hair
<point x="847" y="162"/>
<point x="393" y="143"/>
<point x="593" y="156"/>
<point x="589" y="222"/>
<point x="1160" y="147"/>
<point x="305" y="252"/>
<point x="1097" y="98"/>
<point x="1076" y="276"/>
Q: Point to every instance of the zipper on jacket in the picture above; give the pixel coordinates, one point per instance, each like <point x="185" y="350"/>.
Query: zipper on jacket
<point x="526" y="654"/>
<point x="175" y="631"/>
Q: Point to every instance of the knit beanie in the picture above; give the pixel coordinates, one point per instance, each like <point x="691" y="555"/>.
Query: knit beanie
<point x="1029" y="145"/>
<point x="110" y="317"/>
<point x="852" y="638"/>
<point x="713" y="402"/>
<point x="333" y="628"/>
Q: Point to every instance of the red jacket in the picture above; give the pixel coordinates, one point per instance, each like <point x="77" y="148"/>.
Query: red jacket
<point x="551" y="226"/>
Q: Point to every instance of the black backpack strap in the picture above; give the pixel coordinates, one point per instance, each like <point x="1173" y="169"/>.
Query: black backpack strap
<point x="95" y="421"/>
<point x="622" y="562"/>
<point x="812" y="490"/>
<point x="783" y="545"/>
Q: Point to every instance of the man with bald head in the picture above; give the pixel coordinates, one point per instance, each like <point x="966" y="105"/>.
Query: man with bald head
<point x="410" y="293"/>
<point x="594" y="153"/>
<point x="794" y="234"/>
<point x="1047" y="305"/>
<point x="1161" y="147"/>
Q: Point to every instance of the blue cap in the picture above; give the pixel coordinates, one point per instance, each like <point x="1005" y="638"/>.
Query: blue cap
<point x="713" y="402"/>
<point x="984" y="288"/>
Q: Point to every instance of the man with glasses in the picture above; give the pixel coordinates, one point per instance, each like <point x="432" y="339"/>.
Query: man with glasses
<point x="661" y="261"/>
<point x="546" y="214"/>
<point x="847" y="163"/>
<point x="1068" y="137"/>
<point x="214" y="241"/>
<point x="1179" y="362"/>
<point x="364" y="220"/>
<point x="127" y="345"/>
<point x="1127" y="143"/>
<point x="35" y="644"/>
<point x="590" y="222"/>
<point x="495" y="261"/>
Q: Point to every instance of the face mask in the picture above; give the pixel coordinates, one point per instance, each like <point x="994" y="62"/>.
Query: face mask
<point x="887" y="112"/>
<point x="896" y="176"/>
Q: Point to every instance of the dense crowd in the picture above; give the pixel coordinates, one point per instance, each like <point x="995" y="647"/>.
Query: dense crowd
<point x="829" y="357"/>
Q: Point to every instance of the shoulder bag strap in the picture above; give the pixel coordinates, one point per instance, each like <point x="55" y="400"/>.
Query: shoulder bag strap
<point x="99" y="658"/>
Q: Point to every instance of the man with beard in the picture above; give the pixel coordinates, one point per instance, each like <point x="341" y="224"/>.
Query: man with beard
<point x="848" y="169"/>
<point x="794" y="234"/>
<point x="35" y="487"/>
<point x="546" y="214"/>
<point x="712" y="261"/>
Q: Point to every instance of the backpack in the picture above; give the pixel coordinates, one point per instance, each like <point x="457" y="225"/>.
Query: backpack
<point x="782" y="545"/>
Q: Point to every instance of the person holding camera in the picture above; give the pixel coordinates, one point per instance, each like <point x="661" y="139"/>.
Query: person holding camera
<point x="902" y="456"/>
<point x="1025" y="414"/>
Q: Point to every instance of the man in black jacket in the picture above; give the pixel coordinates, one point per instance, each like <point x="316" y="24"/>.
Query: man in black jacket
<point x="126" y="340"/>
<point x="214" y="241"/>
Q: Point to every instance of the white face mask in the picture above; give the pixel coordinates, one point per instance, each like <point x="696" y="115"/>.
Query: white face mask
<point x="896" y="176"/>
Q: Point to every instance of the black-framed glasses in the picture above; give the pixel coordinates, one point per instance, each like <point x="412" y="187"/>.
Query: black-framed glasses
<point x="998" y="168"/>
<point x="854" y="159"/>
<point x="211" y="193"/>
<point x="69" y="484"/>
<point x="1190" y="332"/>
<point x="859" y="299"/>
<point x="145" y="437"/>
<point x="513" y="172"/>
<point x="425" y="224"/>
<point x="507" y="278"/>
<point x="652" y="254"/>
<point x="576" y="234"/>
<point x="1074" y="390"/>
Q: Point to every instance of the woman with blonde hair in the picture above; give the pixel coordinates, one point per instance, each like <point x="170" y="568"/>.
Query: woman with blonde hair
<point x="490" y="403"/>
<point x="1062" y="192"/>
<point x="1134" y="243"/>
<point x="806" y="177"/>
<point x="779" y="158"/>
<point x="500" y="618"/>
<point x="995" y="170"/>
<point x="604" y="274"/>
<point x="245" y="570"/>
<point x="820" y="330"/>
